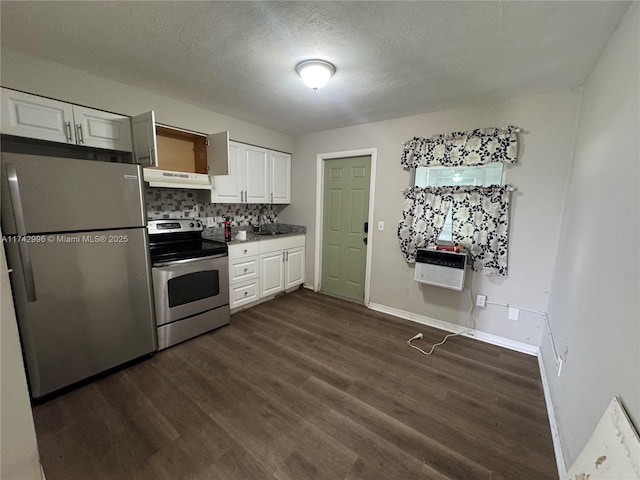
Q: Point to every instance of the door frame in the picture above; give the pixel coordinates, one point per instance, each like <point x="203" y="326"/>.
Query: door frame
<point x="372" y="153"/>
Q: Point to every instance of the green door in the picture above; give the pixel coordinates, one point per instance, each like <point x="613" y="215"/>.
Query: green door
<point x="345" y="211"/>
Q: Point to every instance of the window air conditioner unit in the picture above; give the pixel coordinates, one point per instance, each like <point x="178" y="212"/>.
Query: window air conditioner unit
<point x="440" y="268"/>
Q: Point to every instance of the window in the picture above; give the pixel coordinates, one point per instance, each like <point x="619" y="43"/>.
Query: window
<point x="481" y="175"/>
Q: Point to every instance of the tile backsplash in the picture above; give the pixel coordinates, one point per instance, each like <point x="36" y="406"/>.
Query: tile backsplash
<point x="182" y="203"/>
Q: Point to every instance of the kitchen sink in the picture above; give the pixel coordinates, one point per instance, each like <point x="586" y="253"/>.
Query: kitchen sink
<point x="266" y="234"/>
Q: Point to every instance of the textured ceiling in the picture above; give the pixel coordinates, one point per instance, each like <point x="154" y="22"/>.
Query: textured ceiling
<point x="393" y="58"/>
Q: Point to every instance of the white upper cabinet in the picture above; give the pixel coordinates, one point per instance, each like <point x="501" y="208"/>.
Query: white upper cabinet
<point x="26" y="115"/>
<point x="280" y="177"/>
<point x="145" y="146"/>
<point x="95" y="128"/>
<point x="256" y="175"/>
<point x="178" y="150"/>
<point x="30" y="116"/>
<point x="247" y="181"/>
<point x="229" y="188"/>
<point x="218" y="153"/>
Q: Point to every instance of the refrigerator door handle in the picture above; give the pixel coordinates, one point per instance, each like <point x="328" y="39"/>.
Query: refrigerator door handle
<point x="21" y="229"/>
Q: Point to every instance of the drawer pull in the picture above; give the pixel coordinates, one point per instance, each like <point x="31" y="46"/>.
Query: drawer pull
<point x="246" y="293"/>
<point x="245" y="270"/>
<point x="245" y="250"/>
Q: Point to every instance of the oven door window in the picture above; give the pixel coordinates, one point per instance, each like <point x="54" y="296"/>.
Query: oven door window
<point x="192" y="287"/>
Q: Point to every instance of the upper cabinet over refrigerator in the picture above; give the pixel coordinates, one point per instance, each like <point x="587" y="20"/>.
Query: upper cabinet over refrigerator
<point x="168" y="152"/>
<point x="26" y="115"/>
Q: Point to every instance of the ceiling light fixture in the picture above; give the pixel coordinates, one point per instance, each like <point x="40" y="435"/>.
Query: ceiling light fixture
<point x="315" y="73"/>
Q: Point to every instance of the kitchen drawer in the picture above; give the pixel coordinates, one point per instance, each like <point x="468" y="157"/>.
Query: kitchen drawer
<point x="244" y="250"/>
<point x="243" y="294"/>
<point x="244" y="269"/>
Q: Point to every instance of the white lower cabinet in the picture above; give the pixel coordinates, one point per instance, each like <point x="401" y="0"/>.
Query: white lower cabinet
<point x="244" y="274"/>
<point x="281" y="264"/>
<point x="272" y="278"/>
<point x="243" y="294"/>
<point x="294" y="267"/>
<point x="263" y="268"/>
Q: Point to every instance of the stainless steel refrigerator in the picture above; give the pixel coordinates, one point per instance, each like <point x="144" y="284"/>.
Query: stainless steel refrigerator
<point x="76" y="241"/>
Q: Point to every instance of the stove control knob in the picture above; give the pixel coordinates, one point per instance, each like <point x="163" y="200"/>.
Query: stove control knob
<point x="191" y="224"/>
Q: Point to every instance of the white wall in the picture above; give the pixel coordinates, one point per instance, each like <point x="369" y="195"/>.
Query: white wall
<point x="19" y="457"/>
<point x="594" y="307"/>
<point x="548" y="123"/>
<point x="42" y="77"/>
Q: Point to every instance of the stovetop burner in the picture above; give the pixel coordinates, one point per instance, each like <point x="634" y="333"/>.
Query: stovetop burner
<point x="172" y="240"/>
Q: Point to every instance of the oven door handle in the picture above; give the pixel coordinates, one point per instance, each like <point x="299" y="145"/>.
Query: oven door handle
<point x="189" y="260"/>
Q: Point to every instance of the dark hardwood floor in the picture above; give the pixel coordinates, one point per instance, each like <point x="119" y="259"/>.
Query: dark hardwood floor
<point x="306" y="387"/>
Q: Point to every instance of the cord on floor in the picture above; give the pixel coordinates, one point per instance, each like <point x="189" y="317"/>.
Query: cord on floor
<point x="470" y="326"/>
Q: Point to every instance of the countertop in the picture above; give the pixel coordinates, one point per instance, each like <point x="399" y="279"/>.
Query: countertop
<point x="279" y="230"/>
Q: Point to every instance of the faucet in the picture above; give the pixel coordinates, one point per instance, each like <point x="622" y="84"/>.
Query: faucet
<point x="263" y="217"/>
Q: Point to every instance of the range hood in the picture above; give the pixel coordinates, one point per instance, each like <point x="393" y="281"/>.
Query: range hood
<point x="169" y="179"/>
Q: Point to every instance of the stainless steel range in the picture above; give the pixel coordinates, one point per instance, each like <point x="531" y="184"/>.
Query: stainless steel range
<point x="190" y="280"/>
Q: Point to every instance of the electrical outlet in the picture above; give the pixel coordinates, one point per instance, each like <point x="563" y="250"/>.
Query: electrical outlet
<point x="559" y="364"/>
<point x="211" y="222"/>
<point x="514" y="313"/>
<point x="481" y="300"/>
<point x="381" y="226"/>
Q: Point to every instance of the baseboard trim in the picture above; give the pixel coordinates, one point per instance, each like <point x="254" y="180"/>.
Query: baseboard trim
<point x="501" y="342"/>
<point x="451" y="327"/>
<point x="553" y="425"/>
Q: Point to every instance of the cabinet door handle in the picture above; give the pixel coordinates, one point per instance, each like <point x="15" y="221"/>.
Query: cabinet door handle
<point x="152" y="161"/>
<point x="79" y="133"/>
<point x="69" y="135"/>
<point x="271" y="197"/>
<point x="287" y="255"/>
<point x="245" y="270"/>
<point x="283" y="256"/>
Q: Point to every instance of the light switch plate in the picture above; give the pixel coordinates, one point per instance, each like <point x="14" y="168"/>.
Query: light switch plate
<point x="211" y="222"/>
<point x="381" y="226"/>
<point x="514" y="313"/>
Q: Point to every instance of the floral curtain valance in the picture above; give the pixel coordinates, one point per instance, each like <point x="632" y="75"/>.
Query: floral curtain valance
<point x="475" y="147"/>
<point x="480" y="223"/>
